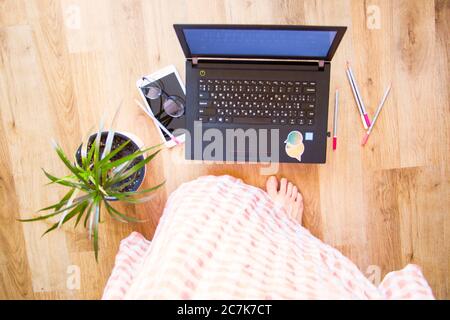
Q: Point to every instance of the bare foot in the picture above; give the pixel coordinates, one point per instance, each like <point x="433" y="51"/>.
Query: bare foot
<point x="286" y="195"/>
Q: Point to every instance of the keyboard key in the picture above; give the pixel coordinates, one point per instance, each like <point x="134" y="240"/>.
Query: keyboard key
<point x="310" y="122"/>
<point x="227" y="119"/>
<point x="310" y="114"/>
<point x="309" y="90"/>
<point x="203" y="95"/>
<point x="310" y="98"/>
<point x="207" y="112"/>
<point x="212" y="119"/>
<point x="301" y="121"/>
<point x="240" y="120"/>
<point x="204" y="103"/>
<point x="202" y="119"/>
<point x="292" y="121"/>
<point x="283" y="121"/>
<point x="308" y="106"/>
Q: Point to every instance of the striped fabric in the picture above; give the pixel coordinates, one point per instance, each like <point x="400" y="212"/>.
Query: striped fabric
<point x="222" y="239"/>
<point x="128" y="259"/>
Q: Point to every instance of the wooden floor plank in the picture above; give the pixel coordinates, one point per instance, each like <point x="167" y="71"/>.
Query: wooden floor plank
<point x="15" y="277"/>
<point x="27" y="128"/>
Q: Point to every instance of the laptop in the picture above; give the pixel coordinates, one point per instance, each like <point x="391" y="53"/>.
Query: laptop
<point x="257" y="93"/>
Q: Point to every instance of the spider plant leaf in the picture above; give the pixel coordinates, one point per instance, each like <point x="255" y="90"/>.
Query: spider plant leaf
<point x="63" y="201"/>
<point x="131" y="199"/>
<point x="59" y="205"/>
<point x="66" y="218"/>
<point x="63" y="157"/>
<point x="121" y="215"/>
<point x="141" y="199"/>
<point x="84" y="197"/>
<point x="89" y="157"/>
<point x="97" y="142"/>
<point x="110" y="137"/>
<point x="130" y="193"/>
<point x="48" y="215"/>
<point x="113" y="153"/>
<point x="92" y="217"/>
<point x="66" y="182"/>
<point x="134" y="169"/>
<point x="121" y="187"/>
<point x="39" y="218"/>
<point x="128" y="158"/>
<point x="53" y="227"/>
<point x="132" y="156"/>
<point x="96" y="222"/>
<point x="84" y="145"/>
<point x="71" y="214"/>
<point x="108" y="144"/>
<point x="116" y="172"/>
<point x="69" y="177"/>
<point x="88" y="214"/>
<point x="113" y="215"/>
<point x="96" y="241"/>
<point x="69" y="203"/>
<point x="121" y="168"/>
<point x="82" y="211"/>
<point x="95" y="178"/>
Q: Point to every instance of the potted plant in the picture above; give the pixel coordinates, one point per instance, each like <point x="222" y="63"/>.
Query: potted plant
<point x="109" y="167"/>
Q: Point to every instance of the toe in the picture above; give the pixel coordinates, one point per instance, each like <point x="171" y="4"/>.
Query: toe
<point x="290" y="186"/>
<point x="272" y="186"/>
<point x="294" y="193"/>
<point x="283" y="185"/>
<point x="299" y="197"/>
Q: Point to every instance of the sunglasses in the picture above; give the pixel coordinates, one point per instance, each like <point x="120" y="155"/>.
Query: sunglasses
<point x="170" y="106"/>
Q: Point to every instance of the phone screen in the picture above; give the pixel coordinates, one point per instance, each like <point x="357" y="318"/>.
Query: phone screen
<point x="170" y="89"/>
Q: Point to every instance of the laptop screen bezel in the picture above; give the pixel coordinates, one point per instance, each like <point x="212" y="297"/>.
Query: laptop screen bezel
<point x="179" y="30"/>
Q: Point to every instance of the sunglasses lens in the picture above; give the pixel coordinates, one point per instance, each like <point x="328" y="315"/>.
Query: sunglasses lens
<point x="174" y="107"/>
<point x="153" y="92"/>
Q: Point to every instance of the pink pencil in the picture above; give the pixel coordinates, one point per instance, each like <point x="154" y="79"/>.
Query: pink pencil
<point x="366" y="136"/>
<point x="335" y="120"/>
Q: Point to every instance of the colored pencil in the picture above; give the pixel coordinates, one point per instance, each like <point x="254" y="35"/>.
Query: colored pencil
<point x="358" y="98"/>
<point x="335" y="120"/>
<point x="366" y="136"/>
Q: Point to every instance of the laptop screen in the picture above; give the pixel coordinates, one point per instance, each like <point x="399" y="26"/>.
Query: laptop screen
<point x="264" y="43"/>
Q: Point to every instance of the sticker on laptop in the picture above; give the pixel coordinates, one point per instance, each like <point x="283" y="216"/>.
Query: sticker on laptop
<point x="294" y="145"/>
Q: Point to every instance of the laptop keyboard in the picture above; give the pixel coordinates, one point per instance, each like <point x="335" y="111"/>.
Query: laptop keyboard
<point x="256" y="102"/>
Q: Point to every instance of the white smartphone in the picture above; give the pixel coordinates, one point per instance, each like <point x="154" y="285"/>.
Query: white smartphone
<point x="170" y="86"/>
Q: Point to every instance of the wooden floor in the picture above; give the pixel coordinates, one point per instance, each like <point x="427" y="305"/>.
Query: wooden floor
<point x="65" y="63"/>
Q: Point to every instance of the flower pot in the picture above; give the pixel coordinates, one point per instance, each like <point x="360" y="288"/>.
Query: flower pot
<point x="134" y="145"/>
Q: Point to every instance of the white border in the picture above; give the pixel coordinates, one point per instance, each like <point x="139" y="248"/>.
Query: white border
<point x="156" y="76"/>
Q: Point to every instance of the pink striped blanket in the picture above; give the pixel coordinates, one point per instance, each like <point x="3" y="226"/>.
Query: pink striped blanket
<point x="219" y="238"/>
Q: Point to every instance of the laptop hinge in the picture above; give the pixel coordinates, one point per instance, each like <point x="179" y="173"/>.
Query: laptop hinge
<point x="195" y="60"/>
<point x="321" y="64"/>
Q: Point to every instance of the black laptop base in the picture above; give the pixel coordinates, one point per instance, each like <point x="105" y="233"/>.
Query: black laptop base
<point x="284" y="103"/>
